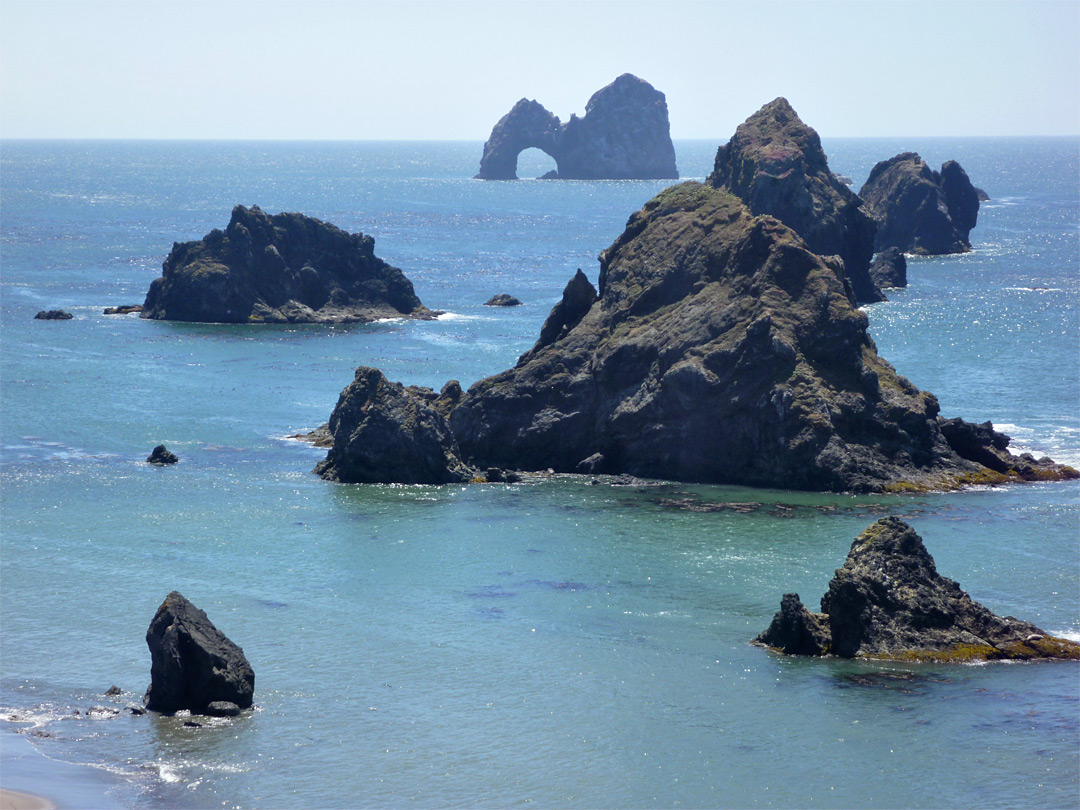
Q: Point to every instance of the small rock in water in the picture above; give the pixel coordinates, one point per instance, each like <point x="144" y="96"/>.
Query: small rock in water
<point x="125" y="309"/>
<point x="502" y="300"/>
<point x="53" y="315"/>
<point x="161" y="456"/>
<point x="113" y="691"/>
<point x="222" y="708"/>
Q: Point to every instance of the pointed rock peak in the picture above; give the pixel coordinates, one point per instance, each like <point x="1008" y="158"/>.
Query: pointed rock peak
<point x="891" y="537"/>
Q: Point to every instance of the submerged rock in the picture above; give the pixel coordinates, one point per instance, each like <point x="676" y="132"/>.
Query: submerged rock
<point x="888" y="601"/>
<point x="286" y="268"/>
<point x="161" y="456"/>
<point x="53" y="315"/>
<point x="502" y="300"/>
<point x="889" y="269"/>
<point x="775" y="164"/>
<point x="625" y="134"/>
<point x="919" y="210"/>
<point x="385" y="433"/>
<point x="192" y="663"/>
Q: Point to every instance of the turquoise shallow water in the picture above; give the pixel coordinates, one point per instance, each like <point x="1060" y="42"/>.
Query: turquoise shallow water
<point x="550" y="643"/>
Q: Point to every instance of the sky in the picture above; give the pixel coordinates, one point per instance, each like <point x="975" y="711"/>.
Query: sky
<point x="330" y="70"/>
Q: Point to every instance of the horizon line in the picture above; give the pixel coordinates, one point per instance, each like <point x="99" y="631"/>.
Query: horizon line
<point x="211" y="139"/>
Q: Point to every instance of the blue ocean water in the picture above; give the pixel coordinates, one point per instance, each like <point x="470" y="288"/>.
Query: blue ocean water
<point x="548" y="643"/>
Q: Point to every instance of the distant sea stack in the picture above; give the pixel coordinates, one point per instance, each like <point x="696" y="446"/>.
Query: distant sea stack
<point x="889" y="602"/>
<point x="625" y="135"/>
<point x="919" y="210"/>
<point x="719" y="348"/>
<point x="775" y="164"/>
<point x="286" y="268"/>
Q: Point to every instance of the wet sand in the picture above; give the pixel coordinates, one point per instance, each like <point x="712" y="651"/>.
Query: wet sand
<point x="13" y="800"/>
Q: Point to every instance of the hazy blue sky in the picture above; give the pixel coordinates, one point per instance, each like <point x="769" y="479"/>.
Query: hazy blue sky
<point x="449" y="70"/>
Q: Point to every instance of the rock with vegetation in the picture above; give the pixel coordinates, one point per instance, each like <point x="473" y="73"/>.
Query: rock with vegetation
<point x="192" y="663"/>
<point x="718" y="349"/>
<point x="123" y="309"/>
<point x="502" y="300"/>
<point x="889" y="269"/>
<point x="625" y="134"/>
<point x="889" y="602"/>
<point x="775" y="164"/>
<point x="285" y="268"/>
<point x="53" y="315"/>
<point x="161" y="456"/>
<point x="385" y="433"/>
<point x="919" y="210"/>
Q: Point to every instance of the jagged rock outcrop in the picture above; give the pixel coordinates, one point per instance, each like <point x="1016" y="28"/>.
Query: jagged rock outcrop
<point x="775" y="164"/>
<point x="53" y="315"/>
<point x="285" y="268"/>
<point x="385" y="433"/>
<point x="888" y="601"/>
<point x="624" y="135"/>
<point x="161" y="456"/>
<point x="889" y="269"/>
<point x="719" y="349"/>
<point x="192" y="663"/>
<point x="919" y="210"/>
<point x="123" y="309"/>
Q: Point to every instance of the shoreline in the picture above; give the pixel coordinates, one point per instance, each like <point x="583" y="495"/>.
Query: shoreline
<point x="33" y="781"/>
<point x="17" y="800"/>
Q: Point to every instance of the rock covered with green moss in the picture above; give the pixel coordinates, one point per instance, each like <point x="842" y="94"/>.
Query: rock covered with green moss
<point x="285" y="268"/>
<point x="719" y="349"/>
<point x="775" y="164"/>
<point x="888" y="601"/>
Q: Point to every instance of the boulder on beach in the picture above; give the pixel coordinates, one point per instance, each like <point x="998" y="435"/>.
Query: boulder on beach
<point x="919" y="210"/>
<point x="625" y="135"/>
<point x="775" y="164"/>
<point x="285" y="268"/>
<point x="192" y="663"/>
<point x="889" y="602"/>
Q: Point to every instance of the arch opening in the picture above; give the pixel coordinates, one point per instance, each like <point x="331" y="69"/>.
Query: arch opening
<point x="534" y="162"/>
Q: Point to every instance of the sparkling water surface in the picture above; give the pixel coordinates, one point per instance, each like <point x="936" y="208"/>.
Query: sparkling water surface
<point x="550" y="643"/>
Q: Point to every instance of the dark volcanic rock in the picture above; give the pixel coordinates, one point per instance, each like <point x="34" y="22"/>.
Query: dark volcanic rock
<point x="982" y="195"/>
<point x="53" y="315"/>
<point x="222" y="708"/>
<point x="986" y="446"/>
<point x="278" y="269"/>
<point x="161" y="456"/>
<point x="192" y="663"/>
<point x="797" y="631"/>
<point x="889" y="269"/>
<point x="888" y="601"/>
<point x="775" y="164"/>
<point x="919" y="210"/>
<point x="502" y="300"/>
<point x="720" y="349"/>
<point x="125" y="309"/>
<point x="385" y="433"/>
<point x="625" y="134"/>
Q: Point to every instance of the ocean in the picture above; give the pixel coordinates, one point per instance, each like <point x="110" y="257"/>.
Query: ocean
<point x="551" y="643"/>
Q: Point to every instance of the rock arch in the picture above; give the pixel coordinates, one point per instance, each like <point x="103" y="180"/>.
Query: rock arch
<point x="625" y="134"/>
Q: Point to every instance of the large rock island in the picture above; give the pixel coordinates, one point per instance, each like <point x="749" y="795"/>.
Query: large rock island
<point x="625" y="135"/>
<point x="775" y="164"/>
<point x="919" y="210"/>
<point x="889" y="602"/>
<point x="286" y="268"/>
<point x="719" y="348"/>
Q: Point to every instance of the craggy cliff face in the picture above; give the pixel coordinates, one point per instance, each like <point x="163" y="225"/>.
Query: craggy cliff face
<point x="625" y="134"/>
<point x="720" y="349"/>
<point x="775" y="164"/>
<point x="278" y="269"/>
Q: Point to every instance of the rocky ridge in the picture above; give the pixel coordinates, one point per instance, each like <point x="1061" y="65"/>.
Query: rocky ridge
<point x="719" y="348"/>
<point x="775" y="164"/>
<point x="889" y="602"/>
<point x="625" y="134"/>
<point x="285" y="268"/>
<point x="919" y="210"/>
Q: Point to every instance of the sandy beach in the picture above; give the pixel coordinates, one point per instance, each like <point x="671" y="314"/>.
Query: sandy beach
<point x="13" y="800"/>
